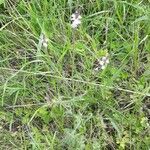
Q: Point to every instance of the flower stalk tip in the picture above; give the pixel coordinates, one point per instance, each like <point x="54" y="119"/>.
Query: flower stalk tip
<point x="76" y="19"/>
<point x="101" y="63"/>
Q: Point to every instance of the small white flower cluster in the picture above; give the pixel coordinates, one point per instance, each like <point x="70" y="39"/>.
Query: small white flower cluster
<point x="76" y="19"/>
<point x="101" y="63"/>
<point x="43" y="40"/>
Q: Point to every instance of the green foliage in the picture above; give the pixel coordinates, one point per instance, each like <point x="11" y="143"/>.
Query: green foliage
<point x="51" y="98"/>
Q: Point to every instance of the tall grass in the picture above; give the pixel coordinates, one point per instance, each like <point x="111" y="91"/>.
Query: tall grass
<point x="52" y="98"/>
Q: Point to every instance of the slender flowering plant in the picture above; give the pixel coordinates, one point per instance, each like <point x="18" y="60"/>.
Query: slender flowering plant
<point x="101" y="63"/>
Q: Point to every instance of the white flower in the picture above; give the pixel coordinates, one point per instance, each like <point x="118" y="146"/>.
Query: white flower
<point x="73" y="17"/>
<point x="43" y="40"/>
<point x="76" y="19"/>
<point x="45" y="44"/>
<point x="101" y="63"/>
<point x="107" y="61"/>
<point x="75" y="23"/>
<point x="104" y="58"/>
